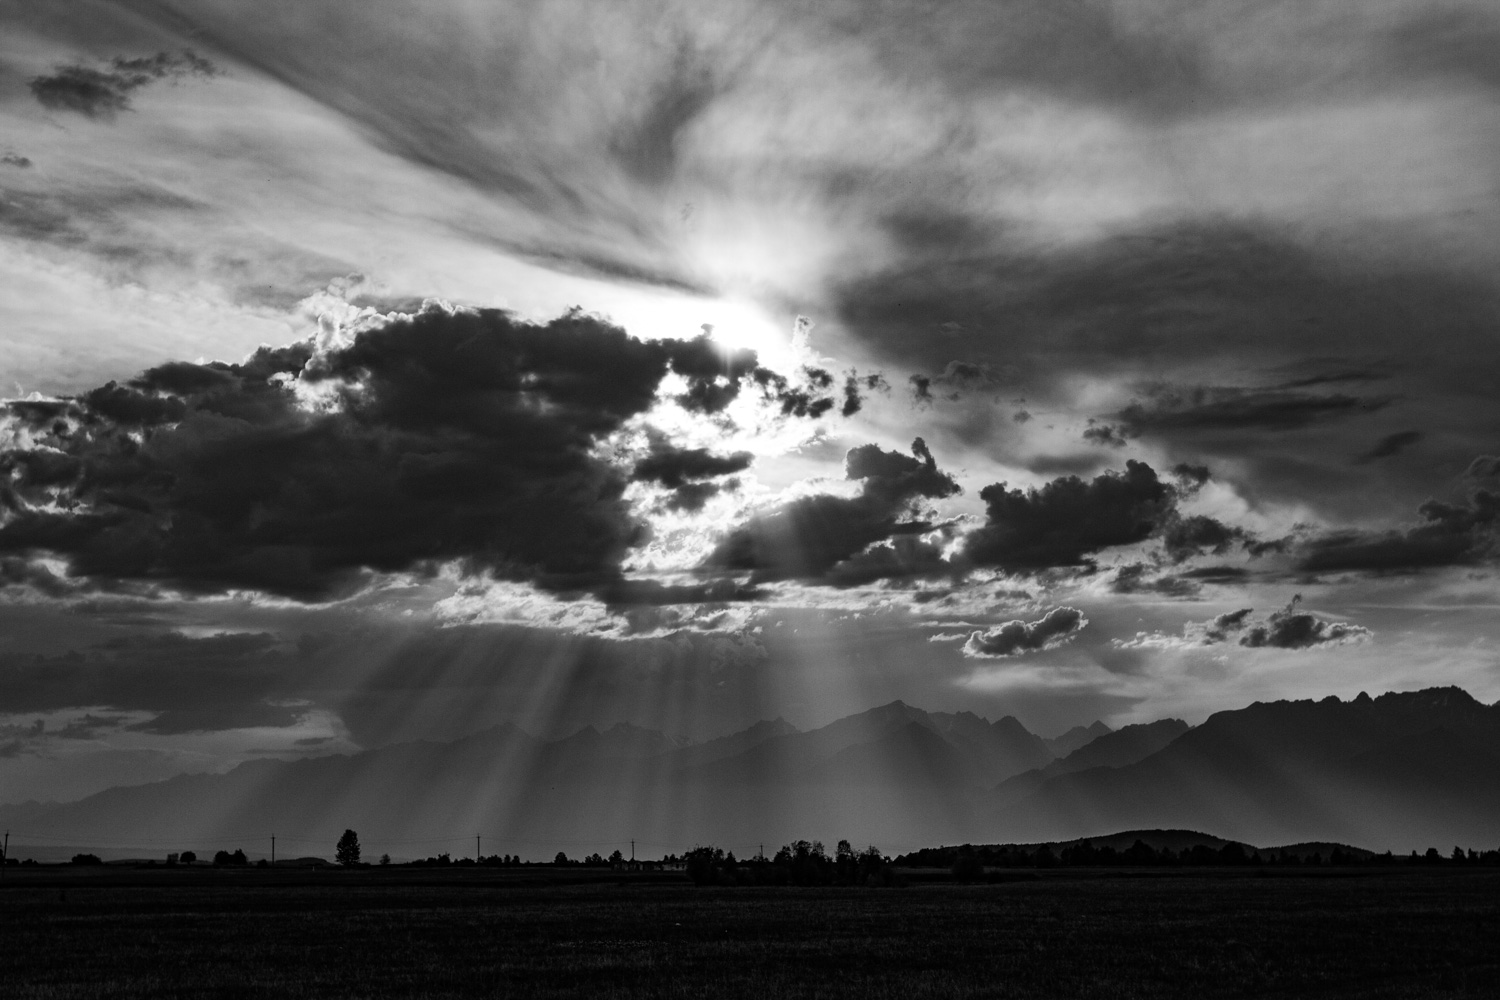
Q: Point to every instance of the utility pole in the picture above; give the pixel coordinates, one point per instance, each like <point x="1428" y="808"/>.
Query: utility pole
<point x="5" y="855"/>
<point x="632" y="850"/>
<point x="273" y="850"/>
<point x="477" y="855"/>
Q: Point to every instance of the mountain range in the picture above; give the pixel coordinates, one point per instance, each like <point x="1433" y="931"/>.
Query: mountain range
<point x="1400" y="771"/>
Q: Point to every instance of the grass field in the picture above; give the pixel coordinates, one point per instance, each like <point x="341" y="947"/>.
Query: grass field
<point x="411" y="933"/>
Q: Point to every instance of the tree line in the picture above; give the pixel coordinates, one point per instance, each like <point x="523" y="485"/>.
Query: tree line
<point x="970" y="862"/>
<point x="806" y="863"/>
<point x="801" y="862"/>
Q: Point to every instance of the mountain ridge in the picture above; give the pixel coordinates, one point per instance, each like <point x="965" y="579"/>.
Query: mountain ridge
<point x="1403" y="768"/>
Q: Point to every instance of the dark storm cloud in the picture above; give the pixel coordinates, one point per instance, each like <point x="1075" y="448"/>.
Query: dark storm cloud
<point x="1066" y="520"/>
<point x="190" y="685"/>
<point x="713" y="373"/>
<point x="671" y="467"/>
<point x="1141" y="578"/>
<point x="1391" y="444"/>
<point x="901" y="557"/>
<point x="1451" y="534"/>
<point x="103" y="93"/>
<point x="685" y="472"/>
<point x="1056" y="627"/>
<point x="462" y="435"/>
<point x="15" y="160"/>
<point x="1106" y="434"/>
<point x="809" y="537"/>
<point x="1184" y="537"/>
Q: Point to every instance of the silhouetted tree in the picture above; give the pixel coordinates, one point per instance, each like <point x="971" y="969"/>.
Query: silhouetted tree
<point x="85" y="859"/>
<point x="347" y="851"/>
<point x="873" y="868"/>
<point x="703" y="864"/>
<point x="560" y="858"/>
<point x="187" y="857"/>
<point x="385" y="859"/>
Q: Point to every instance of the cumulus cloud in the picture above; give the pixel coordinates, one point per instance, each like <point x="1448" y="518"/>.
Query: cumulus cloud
<point x="1066" y="520"/>
<point x="1057" y="627"/>
<point x="104" y="92"/>
<point x="449" y="435"/>
<point x="1286" y="628"/>
<point x="1184" y="537"/>
<point x="808" y="537"/>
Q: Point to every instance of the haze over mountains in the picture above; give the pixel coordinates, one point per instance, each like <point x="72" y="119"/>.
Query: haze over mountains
<point x="1398" y="771"/>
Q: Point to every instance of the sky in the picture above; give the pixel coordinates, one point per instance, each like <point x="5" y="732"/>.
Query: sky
<point x="385" y="370"/>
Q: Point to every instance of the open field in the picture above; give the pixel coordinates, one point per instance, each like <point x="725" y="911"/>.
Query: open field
<point x="71" y="933"/>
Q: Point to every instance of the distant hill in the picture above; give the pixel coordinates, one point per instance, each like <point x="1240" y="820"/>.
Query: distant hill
<point x="1400" y="771"/>
<point x="1179" y="842"/>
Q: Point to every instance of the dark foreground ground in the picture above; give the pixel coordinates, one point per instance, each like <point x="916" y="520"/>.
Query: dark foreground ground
<point x="404" y="933"/>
